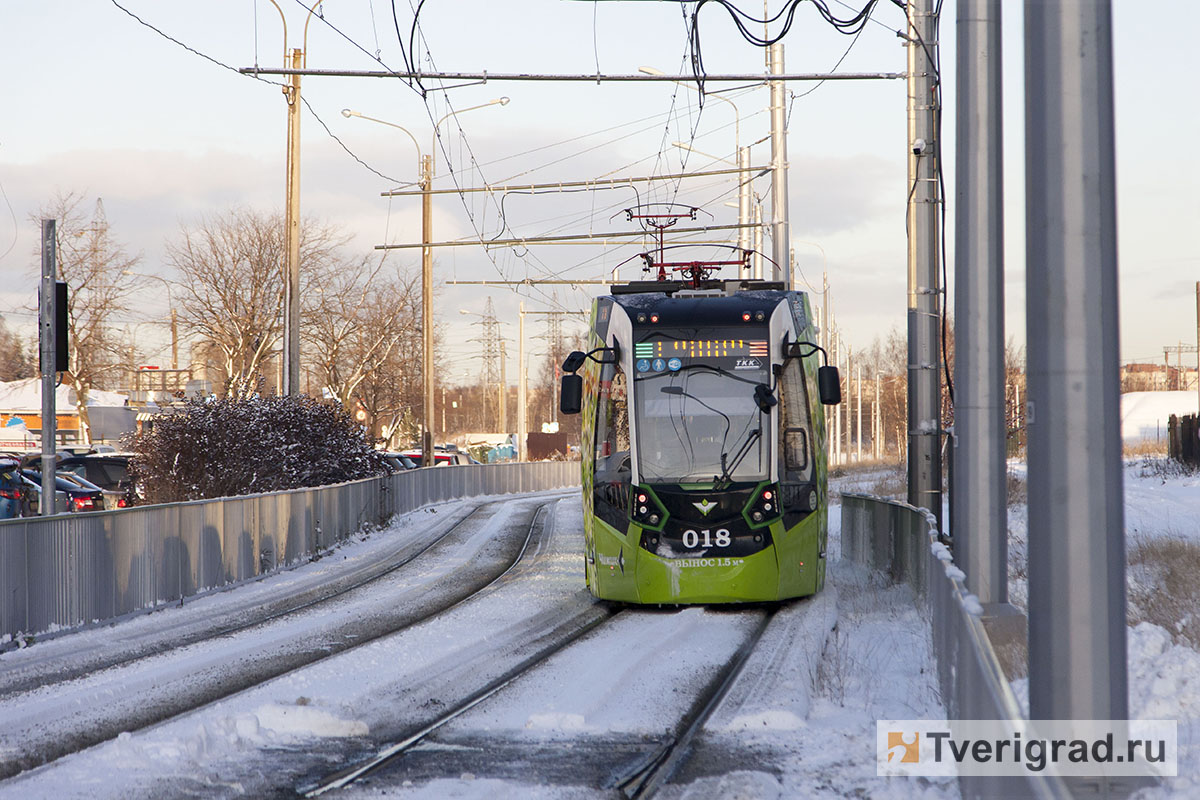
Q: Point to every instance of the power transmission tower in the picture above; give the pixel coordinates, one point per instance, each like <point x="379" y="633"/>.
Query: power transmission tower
<point x="490" y="339"/>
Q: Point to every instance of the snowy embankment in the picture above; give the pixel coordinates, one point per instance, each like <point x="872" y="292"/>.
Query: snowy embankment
<point x="1162" y="543"/>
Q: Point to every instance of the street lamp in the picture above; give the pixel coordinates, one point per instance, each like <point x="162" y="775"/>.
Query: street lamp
<point x="426" y="184"/>
<point x="291" y="291"/>
<point x="171" y="305"/>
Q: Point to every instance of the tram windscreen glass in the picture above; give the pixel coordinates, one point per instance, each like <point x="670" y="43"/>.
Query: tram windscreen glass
<point x="697" y="419"/>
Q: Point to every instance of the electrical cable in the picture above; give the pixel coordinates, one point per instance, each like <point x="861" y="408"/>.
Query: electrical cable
<point x="257" y="78"/>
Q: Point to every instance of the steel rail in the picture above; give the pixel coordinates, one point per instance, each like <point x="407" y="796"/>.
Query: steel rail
<point x="219" y="630"/>
<point x="644" y="778"/>
<point x="348" y="776"/>
<point x="300" y="660"/>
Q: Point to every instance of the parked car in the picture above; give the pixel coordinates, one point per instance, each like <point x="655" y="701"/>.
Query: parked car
<point x="33" y="494"/>
<point x="398" y="462"/>
<point x="14" y="498"/>
<point x="109" y="471"/>
<point x="442" y="457"/>
<point x="81" y="495"/>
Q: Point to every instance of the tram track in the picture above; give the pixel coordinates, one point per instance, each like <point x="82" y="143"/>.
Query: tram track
<point x="605" y="761"/>
<point x="643" y="779"/>
<point x="31" y="739"/>
<point x="65" y="663"/>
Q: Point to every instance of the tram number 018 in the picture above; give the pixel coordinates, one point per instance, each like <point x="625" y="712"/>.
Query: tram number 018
<point x="706" y="538"/>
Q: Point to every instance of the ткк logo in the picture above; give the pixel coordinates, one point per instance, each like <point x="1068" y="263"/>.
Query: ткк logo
<point x="909" y="752"/>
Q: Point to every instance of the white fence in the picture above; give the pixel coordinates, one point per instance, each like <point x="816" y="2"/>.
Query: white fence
<point x="68" y="570"/>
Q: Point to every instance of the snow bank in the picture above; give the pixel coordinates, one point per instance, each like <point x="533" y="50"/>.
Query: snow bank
<point x="1144" y="415"/>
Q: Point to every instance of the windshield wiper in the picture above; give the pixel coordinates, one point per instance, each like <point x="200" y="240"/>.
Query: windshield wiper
<point x="725" y="479"/>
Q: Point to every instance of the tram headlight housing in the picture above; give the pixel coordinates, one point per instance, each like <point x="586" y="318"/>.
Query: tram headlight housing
<point x="763" y="508"/>
<point x="645" y="509"/>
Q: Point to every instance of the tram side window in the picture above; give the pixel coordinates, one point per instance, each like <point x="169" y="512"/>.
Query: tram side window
<point x="795" y="429"/>
<point x="612" y="421"/>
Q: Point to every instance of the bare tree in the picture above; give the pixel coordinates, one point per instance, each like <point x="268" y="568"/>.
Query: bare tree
<point x="355" y="317"/>
<point x="231" y="269"/>
<point x="391" y="391"/>
<point x="99" y="275"/>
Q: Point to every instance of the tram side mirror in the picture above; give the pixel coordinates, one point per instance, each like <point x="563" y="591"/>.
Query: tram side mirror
<point x="570" y="399"/>
<point x="829" y="384"/>
<point x="574" y="361"/>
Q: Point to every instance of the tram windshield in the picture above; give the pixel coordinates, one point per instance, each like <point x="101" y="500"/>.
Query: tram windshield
<point x="697" y="419"/>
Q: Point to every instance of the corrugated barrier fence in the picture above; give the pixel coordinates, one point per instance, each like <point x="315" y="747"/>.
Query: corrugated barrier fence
<point x="69" y="570"/>
<point x="901" y="541"/>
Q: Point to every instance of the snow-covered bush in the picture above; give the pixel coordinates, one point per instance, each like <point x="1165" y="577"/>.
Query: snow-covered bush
<point x="223" y="448"/>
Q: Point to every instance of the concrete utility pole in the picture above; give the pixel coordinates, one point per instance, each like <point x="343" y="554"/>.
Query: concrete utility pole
<point x="427" y="440"/>
<point x="291" y="292"/>
<point x="780" y="230"/>
<point x="744" y="212"/>
<point x="1077" y="650"/>
<point x="924" y="284"/>
<point x="1198" y="350"/>
<point x="522" y="398"/>
<point x="46" y="321"/>
<point x="503" y="389"/>
<point x="978" y="510"/>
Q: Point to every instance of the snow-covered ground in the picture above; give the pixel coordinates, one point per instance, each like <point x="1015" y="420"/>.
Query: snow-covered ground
<point x="800" y="721"/>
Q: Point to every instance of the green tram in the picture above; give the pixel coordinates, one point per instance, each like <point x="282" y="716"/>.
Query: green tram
<point x="703" y="443"/>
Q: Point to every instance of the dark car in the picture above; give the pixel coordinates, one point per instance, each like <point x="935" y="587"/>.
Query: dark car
<point x="81" y="495"/>
<point x="109" y="471"/>
<point x="14" y="498"/>
<point x="442" y="457"/>
<point x="398" y="462"/>
<point x="33" y="494"/>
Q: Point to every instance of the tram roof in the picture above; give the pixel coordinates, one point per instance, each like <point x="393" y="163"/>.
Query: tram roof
<point x="673" y="287"/>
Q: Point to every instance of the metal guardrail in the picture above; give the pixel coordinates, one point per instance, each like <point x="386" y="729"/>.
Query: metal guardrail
<point x="901" y="540"/>
<point x="69" y="570"/>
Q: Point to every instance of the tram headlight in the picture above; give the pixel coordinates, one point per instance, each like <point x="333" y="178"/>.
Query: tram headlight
<point x="645" y="509"/>
<point x="764" y="506"/>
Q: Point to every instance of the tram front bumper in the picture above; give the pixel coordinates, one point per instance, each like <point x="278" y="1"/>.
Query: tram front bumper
<point x="742" y="579"/>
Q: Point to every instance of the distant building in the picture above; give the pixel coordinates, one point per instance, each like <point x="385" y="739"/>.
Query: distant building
<point x="1157" y="378"/>
<point x="110" y="414"/>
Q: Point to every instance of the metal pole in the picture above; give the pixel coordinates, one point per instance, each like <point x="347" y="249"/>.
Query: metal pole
<point x="1198" y="353"/>
<point x="291" y="293"/>
<point x="744" y="202"/>
<point x="877" y="428"/>
<point x="858" y="414"/>
<point x="1077" y="649"/>
<point x="978" y="512"/>
<point x="522" y="398"/>
<point x="503" y="389"/>
<point x="780" y="231"/>
<point x="757" y="261"/>
<point x="924" y="285"/>
<point x="174" y="339"/>
<point x="46" y="317"/>
<point x="427" y="442"/>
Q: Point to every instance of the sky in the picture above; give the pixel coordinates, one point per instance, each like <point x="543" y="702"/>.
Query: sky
<point x="98" y="103"/>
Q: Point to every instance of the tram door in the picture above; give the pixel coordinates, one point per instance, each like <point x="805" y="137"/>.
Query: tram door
<point x="615" y="551"/>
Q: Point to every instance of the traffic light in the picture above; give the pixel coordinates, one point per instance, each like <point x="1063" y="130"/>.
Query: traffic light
<point x="62" y="347"/>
